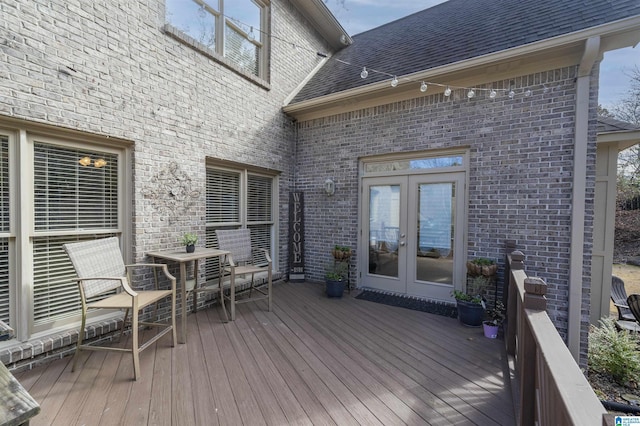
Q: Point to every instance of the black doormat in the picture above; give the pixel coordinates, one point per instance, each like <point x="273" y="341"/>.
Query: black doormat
<point x="409" y="303"/>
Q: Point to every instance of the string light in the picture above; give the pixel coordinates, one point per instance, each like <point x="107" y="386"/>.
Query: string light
<point x="471" y="92"/>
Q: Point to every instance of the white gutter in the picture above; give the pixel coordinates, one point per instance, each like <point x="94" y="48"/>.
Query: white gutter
<point x="623" y="25"/>
<point x="576" y="262"/>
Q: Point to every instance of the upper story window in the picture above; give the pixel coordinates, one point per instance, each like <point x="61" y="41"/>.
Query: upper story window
<point x="234" y="29"/>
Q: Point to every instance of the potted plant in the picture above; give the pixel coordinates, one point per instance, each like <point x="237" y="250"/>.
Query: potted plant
<point x="496" y="317"/>
<point x="470" y="308"/>
<point x="481" y="266"/>
<point x="335" y="277"/>
<point x="190" y="240"/>
<point x="341" y="253"/>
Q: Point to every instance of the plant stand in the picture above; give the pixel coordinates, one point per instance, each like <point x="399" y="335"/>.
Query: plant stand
<point x="346" y="261"/>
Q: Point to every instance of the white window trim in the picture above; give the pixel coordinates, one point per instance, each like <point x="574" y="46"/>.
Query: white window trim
<point x="21" y="156"/>
<point x="244" y="171"/>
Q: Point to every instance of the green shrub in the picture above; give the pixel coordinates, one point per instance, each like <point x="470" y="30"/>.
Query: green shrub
<point x="613" y="352"/>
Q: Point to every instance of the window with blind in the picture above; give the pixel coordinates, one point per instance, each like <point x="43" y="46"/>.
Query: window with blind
<point x="235" y="29"/>
<point x="4" y="231"/>
<point x="240" y="199"/>
<point x="76" y="197"/>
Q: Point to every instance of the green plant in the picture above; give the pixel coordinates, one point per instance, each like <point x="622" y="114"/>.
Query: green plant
<point x="496" y="314"/>
<point x="483" y="261"/>
<point x="336" y="271"/>
<point x="613" y="352"/>
<point x="466" y="297"/>
<point x="189" y="239"/>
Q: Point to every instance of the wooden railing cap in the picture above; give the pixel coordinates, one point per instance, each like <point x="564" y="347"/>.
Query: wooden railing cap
<point x="535" y="285"/>
<point x="517" y="255"/>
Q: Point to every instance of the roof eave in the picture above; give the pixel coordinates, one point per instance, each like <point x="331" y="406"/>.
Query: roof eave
<point x="615" y="35"/>
<point x="324" y="22"/>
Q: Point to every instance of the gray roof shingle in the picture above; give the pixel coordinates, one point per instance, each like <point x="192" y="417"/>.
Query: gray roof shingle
<point x="458" y="30"/>
<point x="609" y="124"/>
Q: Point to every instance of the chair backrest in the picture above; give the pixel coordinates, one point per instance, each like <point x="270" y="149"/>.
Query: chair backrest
<point x="97" y="258"/>
<point x="237" y="242"/>
<point x="633" y="301"/>
<point x="619" y="296"/>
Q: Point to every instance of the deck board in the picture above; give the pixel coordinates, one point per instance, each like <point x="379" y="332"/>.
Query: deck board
<point x="313" y="360"/>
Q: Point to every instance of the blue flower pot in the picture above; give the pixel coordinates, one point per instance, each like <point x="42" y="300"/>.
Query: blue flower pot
<point x="334" y="288"/>
<point x="470" y="314"/>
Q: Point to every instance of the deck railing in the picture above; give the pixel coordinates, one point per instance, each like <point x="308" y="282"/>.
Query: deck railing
<point x="549" y="387"/>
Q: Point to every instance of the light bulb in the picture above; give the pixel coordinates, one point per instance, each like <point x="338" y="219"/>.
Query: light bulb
<point x="364" y="73"/>
<point x="423" y="87"/>
<point x="394" y="82"/>
<point x="492" y="94"/>
<point x="471" y="94"/>
<point x="84" y="161"/>
<point x="251" y="35"/>
<point x="447" y="91"/>
<point x="512" y="94"/>
<point x="99" y="163"/>
<point x="527" y="92"/>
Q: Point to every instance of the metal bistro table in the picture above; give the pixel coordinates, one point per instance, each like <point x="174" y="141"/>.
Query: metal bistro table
<point x="182" y="257"/>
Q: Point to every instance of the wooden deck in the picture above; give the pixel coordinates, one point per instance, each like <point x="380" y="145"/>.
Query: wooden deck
<point x="313" y="360"/>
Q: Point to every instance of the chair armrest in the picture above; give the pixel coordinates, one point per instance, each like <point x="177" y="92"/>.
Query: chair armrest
<point x="230" y="261"/>
<point x="266" y="254"/>
<point x="162" y="266"/>
<point x="620" y="305"/>
<point x="123" y="283"/>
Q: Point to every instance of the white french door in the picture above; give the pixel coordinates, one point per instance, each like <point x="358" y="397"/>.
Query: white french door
<point x="413" y="228"/>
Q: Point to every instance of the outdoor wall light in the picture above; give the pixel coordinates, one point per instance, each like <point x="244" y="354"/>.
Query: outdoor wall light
<point x="329" y="187"/>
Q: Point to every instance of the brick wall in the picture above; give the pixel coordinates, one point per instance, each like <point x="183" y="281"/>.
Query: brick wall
<point x="107" y="67"/>
<point x="520" y="172"/>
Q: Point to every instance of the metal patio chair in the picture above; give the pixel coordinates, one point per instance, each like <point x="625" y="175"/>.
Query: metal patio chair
<point x="242" y="261"/>
<point x="102" y="272"/>
<point x="619" y="298"/>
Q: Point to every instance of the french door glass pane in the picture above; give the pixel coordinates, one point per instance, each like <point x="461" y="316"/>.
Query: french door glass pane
<point x="435" y="232"/>
<point x="384" y="223"/>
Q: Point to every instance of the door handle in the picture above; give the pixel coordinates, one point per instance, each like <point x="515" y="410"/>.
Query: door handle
<point x="402" y="243"/>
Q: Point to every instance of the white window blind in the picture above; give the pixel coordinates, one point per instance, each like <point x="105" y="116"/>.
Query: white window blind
<point x="226" y="194"/>
<point x="68" y="196"/>
<point x="223" y="196"/>
<point x="4" y="228"/>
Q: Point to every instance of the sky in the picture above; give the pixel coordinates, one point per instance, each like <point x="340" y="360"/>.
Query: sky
<point x="357" y="16"/>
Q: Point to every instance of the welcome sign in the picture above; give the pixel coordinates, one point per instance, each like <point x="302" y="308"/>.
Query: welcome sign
<point x="296" y="237"/>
